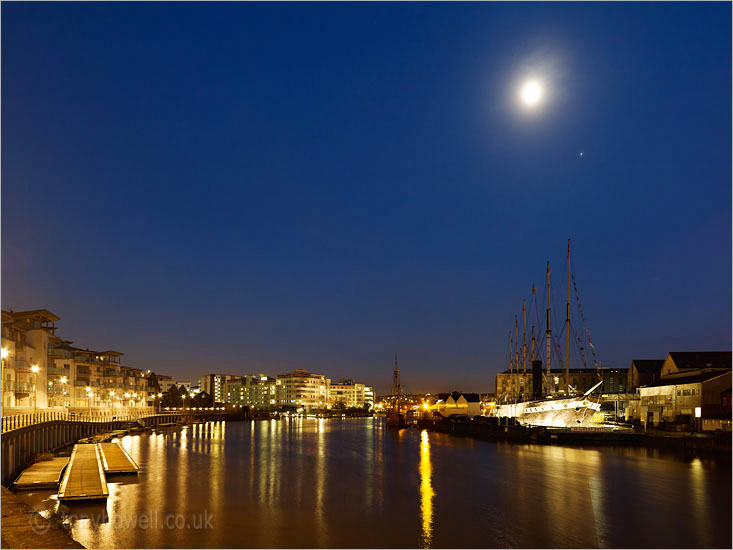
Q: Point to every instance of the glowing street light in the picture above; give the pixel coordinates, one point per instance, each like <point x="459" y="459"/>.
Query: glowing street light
<point x="2" y="377"/>
<point x="34" y="369"/>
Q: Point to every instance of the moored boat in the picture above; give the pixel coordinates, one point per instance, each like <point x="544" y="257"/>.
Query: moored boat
<point x="559" y="408"/>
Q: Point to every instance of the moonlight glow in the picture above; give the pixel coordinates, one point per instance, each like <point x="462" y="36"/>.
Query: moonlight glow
<point x="531" y="93"/>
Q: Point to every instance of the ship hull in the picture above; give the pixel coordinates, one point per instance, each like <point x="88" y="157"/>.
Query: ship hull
<point x="396" y="419"/>
<point x="559" y="413"/>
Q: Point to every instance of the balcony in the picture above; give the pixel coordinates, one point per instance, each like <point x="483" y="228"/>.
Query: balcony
<point x="22" y="365"/>
<point x="82" y="382"/>
<point x="20" y="387"/>
<point x="58" y="370"/>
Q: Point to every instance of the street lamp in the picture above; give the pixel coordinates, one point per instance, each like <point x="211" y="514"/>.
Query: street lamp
<point x="34" y="369"/>
<point x="2" y="379"/>
<point x="89" y="402"/>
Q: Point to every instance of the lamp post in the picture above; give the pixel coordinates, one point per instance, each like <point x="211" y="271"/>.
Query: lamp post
<point x="35" y="370"/>
<point x="63" y="381"/>
<point x="2" y="380"/>
<point x="160" y="396"/>
<point x="89" y="401"/>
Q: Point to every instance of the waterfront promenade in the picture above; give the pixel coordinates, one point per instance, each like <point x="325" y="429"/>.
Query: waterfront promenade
<point x="28" y="437"/>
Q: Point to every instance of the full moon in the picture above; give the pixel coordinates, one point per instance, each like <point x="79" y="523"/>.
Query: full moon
<point x="531" y="93"/>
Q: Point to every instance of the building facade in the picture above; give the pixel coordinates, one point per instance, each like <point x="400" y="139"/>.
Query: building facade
<point x="644" y="372"/>
<point x="301" y="389"/>
<point x="42" y="368"/>
<point x="521" y="385"/>
<point x="347" y="393"/>
<point x="213" y="384"/>
<point x="26" y="336"/>
<point x="693" y="387"/>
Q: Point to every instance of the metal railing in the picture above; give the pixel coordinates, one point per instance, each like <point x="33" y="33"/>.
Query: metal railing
<point x="16" y="421"/>
<point x="58" y="370"/>
<point x="24" y="387"/>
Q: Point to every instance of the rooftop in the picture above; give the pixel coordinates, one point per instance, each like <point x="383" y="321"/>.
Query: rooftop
<point x="687" y="360"/>
<point x="648" y="365"/>
<point x="677" y="380"/>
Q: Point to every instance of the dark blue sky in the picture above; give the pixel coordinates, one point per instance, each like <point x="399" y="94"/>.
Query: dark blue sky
<point x="253" y="188"/>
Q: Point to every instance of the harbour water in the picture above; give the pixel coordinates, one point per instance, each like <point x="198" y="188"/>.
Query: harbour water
<point x="356" y="483"/>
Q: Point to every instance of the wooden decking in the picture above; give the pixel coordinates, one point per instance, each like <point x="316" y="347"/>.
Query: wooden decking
<point x="42" y="475"/>
<point x="116" y="460"/>
<point x="84" y="477"/>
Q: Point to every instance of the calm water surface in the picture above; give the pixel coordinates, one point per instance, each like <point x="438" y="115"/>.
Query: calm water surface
<point x="355" y="483"/>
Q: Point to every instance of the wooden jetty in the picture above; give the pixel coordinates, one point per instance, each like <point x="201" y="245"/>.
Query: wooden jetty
<point x="117" y="460"/>
<point x="84" y="476"/>
<point x="45" y="474"/>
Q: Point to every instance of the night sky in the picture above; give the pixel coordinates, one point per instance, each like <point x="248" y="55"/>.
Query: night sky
<point x="246" y="188"/>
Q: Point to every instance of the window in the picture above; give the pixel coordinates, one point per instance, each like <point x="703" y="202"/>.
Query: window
<point x="686" y="392"/>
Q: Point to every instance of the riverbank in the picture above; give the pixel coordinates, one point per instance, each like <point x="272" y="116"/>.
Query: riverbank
<point x="23" y="528"/>
<point x="706" y="443"/>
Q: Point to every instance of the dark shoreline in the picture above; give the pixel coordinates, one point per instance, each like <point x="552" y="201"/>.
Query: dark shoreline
<point x="22" y="527"/>
<point x="718" y="444"/>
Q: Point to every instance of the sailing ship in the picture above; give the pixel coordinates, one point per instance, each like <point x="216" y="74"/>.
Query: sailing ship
<point x="547" y="406"/>
<point x="395" y="417"/>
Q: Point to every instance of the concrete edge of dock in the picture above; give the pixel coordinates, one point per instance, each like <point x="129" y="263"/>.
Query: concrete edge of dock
<point x="22" y="527"/>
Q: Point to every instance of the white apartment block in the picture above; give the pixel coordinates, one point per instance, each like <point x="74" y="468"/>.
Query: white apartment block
<point x="301" y="389"/>
<point x="351" y="394"/>
<point x="40" y="367"/>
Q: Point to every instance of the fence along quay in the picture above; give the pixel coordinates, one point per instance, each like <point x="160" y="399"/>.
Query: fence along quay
<point x="23" y="439"/>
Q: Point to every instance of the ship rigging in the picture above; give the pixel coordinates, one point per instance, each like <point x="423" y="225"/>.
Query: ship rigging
<point x="549" y="403"/>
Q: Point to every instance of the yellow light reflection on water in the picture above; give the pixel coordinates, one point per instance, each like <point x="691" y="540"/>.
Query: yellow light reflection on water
<point x="426" y="490"/>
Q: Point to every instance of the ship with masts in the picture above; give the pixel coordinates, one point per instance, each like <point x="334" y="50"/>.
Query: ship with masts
<point x="396" y="418"/>
<point x="548" y="404"/>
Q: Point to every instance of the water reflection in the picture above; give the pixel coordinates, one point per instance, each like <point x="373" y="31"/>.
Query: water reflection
<point x="354" y="483"/>
<point x="426" y="490"/>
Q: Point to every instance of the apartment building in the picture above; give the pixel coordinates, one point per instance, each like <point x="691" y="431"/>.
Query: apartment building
<point x="42" y="367"/>
<point x="252" y="391"/>
<point x="350" y="394"/>
<point x="26" y="336"/>
<point x="213" y="384"/>
<point x="301" y="389"/>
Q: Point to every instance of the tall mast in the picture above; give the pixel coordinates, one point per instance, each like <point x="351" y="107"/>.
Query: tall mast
<point x="511" y="365"/>
<point x="396" y="387"/>
<point x="516" y="356"/>
<point x="548" y="333"/>
<point x="567" y="331"/>
<point x="524" y="337"/>
<point x="531" y="356"/>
